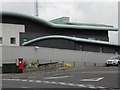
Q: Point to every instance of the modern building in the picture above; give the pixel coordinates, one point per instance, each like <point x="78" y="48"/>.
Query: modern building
<point x="60" y="33"/>
<point x="9" y="34"/>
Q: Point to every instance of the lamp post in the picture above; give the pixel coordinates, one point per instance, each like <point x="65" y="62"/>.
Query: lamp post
<point x="36" y="49"/>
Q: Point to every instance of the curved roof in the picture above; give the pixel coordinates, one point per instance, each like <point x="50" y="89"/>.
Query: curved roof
<point x="25" y="16"/>
<point x="86" y="27"/>
<point x="69" y="38"/>
<point x="74" y="26"/>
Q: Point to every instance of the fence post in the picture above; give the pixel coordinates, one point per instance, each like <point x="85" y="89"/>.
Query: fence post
<point x="50" y="61"/>
<point x="94" y="64"/>
<point x="74" y="64"/>
<point x="62" y="63"/>
<point x="84" y="64"/>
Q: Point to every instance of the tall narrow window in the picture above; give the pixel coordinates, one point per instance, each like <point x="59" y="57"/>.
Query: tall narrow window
<point x="1" y="40"/>
<point x="12" y="40"/>
<point x="100" y="49"/>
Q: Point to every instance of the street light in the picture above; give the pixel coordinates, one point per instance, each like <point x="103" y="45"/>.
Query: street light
<point x="36" y="52"/>
<point x="36" y="47"/>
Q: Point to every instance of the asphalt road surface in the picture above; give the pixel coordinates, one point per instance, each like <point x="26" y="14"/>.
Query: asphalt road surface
<point x="101" y="78"/>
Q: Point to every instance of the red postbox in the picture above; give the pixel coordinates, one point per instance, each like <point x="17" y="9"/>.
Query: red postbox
<point x="20" y="64"/>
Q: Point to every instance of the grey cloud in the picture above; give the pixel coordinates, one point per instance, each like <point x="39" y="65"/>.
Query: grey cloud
<point x="20" y="7"/>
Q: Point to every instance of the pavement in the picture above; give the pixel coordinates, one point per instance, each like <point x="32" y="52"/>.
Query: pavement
<point x="88" y="78"/>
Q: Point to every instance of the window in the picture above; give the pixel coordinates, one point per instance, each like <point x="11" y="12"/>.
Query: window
<point x="25" y="39"/>
<point x="12" y="40"/>
<point x="115" y="57"/>
<point x="1" y="40"/>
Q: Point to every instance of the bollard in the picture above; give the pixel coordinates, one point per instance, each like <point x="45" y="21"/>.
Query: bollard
<point x="84" y="64"/>
<point x="94" y="64"/>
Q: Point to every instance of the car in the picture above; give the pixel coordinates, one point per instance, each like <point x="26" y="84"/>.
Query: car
<point x="113" y="61"/>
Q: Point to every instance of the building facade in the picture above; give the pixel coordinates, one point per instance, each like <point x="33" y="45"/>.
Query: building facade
<point x="9" y="34"/>
<point x="61" y="33"/>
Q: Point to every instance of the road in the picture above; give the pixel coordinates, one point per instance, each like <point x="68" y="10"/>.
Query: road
<point x="102" y="78"/>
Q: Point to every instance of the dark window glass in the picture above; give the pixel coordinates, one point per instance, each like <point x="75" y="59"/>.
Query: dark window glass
<point x="12" y="40"/>
<point x="25" y="39"/>
<point x="1" y="40"/>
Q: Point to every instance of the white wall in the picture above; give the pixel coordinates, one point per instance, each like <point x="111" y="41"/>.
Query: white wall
<point x="11" y="30"/>
<point x="10" y="54"/>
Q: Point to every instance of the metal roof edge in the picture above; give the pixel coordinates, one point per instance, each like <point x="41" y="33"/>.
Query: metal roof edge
<point x="85" y="27"/>
<point x="55" y="25"/>
<point x="69" y="38"/>
<point x="26" y="16"/>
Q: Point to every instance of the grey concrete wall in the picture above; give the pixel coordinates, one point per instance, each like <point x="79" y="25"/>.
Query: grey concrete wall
<point x="10" y="54"/>
<point x="0" y="56"/>
<point x="119" y="23"/>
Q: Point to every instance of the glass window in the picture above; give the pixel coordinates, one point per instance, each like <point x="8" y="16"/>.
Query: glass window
<point x="100" y="49"/>
<point x="25" y="39"/>
<point x="115" y="57"/>
<point x="12" y="40"/>
<point x="1" y="40"/>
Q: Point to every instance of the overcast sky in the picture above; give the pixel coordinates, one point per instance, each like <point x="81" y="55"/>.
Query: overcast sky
<point x="82" y="12"/>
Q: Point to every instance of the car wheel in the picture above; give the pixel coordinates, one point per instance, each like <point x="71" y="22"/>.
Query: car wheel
<point x="107" y="65"/>
<point x="118" y="64"/>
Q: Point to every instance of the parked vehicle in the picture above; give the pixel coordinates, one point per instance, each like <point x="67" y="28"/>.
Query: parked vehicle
<point x="113" y="61"/>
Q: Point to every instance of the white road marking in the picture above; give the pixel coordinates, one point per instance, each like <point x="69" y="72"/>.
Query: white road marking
<point x="100" y="87"/>
<point x="81" y="85"/>
<point x="100" y="78"/>
<point x="31" y="80"/>
<point x="24" y="80"/>
<point x="71" y="84"/>
<point x="62" y="83"/>
<point x="17" y="79"/>
<point x="54" y="82"/>
<point x="14" y="79"/>
<point x="93" y="79"/>
<point x="5" y="79"/>
<point x="9" y="79"/>
<point x="57" y="77"/>
<point x="91" y="86"/>
<point x="38" y="81"/>
<point x="24" y="87"/>
<point x="46" y="81"/>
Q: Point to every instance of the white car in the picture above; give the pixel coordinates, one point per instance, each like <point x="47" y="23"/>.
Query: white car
<point x="113" y="61"/>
